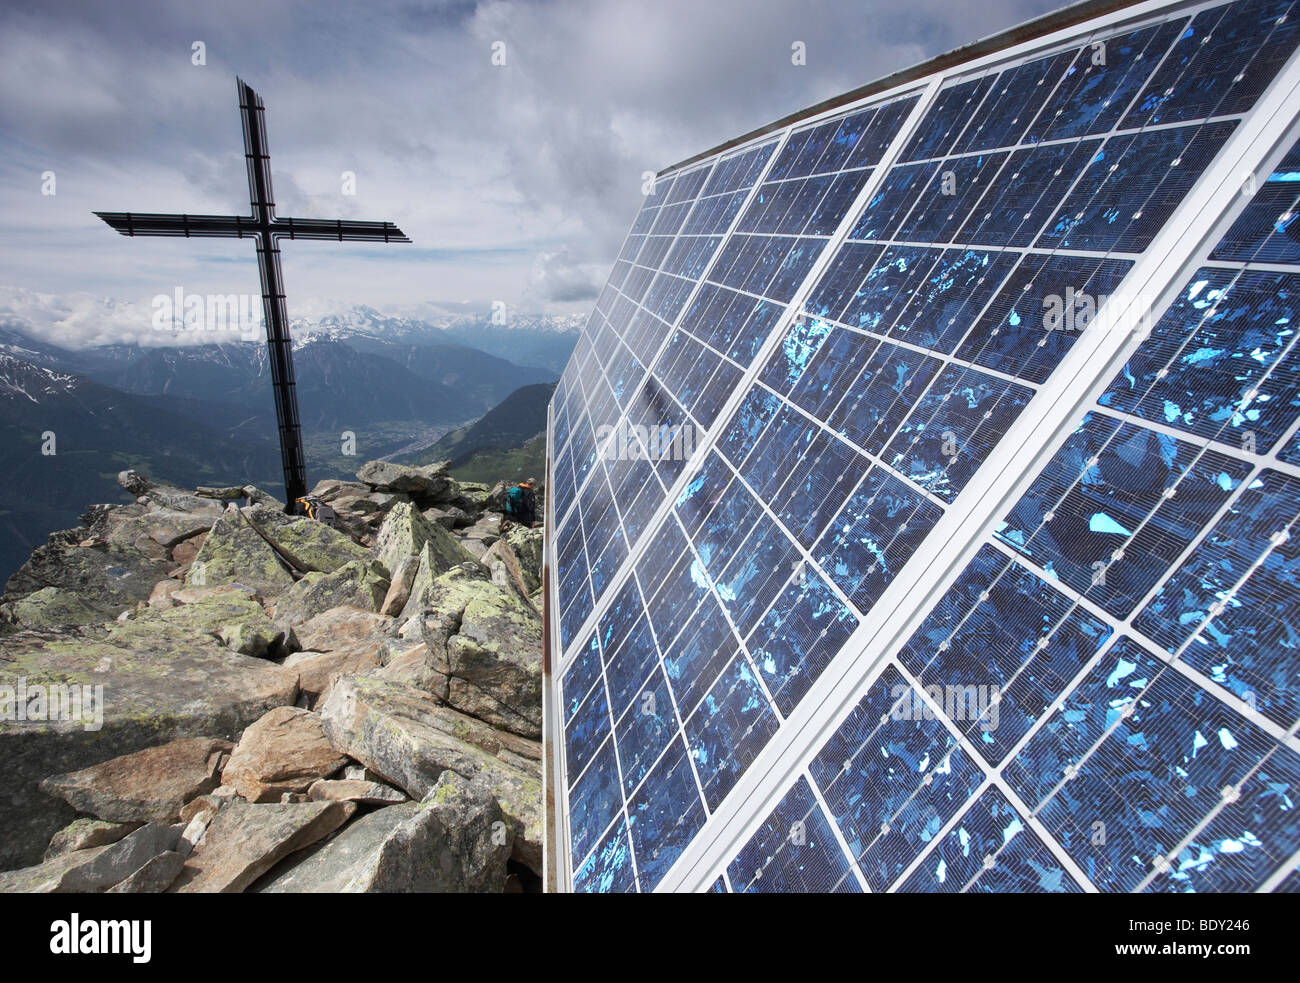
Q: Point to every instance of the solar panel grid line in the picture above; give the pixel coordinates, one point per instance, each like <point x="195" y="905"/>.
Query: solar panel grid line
<point x="686" y="306"/>
<point x="1274" y="90"/>
<point x="702" y="447"/>
<point x="1284" y="871"/>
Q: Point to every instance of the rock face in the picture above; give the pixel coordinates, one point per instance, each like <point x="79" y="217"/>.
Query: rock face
<point x="159" y="684"/>
<point x="108" y="578"/>
<point x="234" y="554"/>
<point x="284" y="752"/>
<point x="359" y="583"/>
<point x="408" y="533"/>
<point x="148" y="786"/>
<point x="244" y="841"/>
<point x="233" y="617"/>
<point x="420" y="483"/>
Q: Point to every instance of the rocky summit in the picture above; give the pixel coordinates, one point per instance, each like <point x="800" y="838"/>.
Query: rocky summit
<point x="200" y="693"/>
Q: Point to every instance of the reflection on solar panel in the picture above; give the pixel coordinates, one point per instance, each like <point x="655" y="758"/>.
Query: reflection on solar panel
<point x="924" y="483"/>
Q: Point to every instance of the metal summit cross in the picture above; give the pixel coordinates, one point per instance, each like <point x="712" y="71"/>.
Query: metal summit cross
<point x="268" y="230"/>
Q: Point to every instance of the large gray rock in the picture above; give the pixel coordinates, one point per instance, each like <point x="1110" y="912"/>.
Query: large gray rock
<point x="244" y="841"/>
<point x="406" y="736"/>
<point x="109" y="578"/>
<point x="154" y="877"/>
<point x="147" y="786"/>
<point x="159" y="683"/>
<point x="454" y="841"/>
<point x="233" y="617"/>
<point x="527" y="545"/>
<point x="484" y="649"/>
<point x="283" y="752"/>
<point x="234" y="553"/>
<point x="318" y="670"/>
<point x="46" y="877"/>
<point x="83" y="833"/>
<point x="53" y="607"/>
<point x="430" y="483"/>
<point x="406" y="532"/>
<point x="163" y="527"/>
<point x="360" y="583"/>
<point x="120" y="860"/>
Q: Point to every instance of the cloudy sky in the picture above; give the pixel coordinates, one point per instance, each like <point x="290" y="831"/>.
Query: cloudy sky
<point x="516" y="182"/>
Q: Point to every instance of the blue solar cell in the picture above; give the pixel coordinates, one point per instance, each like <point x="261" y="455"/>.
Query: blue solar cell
<point x="1024" y="194"/>
<point x="891" y="381"/>
<point x="892" y="777"/>
<point x="751" y="416"/>
<point x="644" y="730"/>
<point x="1102" y="82"/>
<point x="793" y="851"/>
<point x="664" y="815"/>
<point x="1247" y="646"/>
<point x="880" y="132"/>
<point x="948" y="300"/>
<point x="803" y="630"/>
<point x="948" y="200"/>
<point x="586" y="732"/>
<point x="816" y="486"/>
<point x="1039" y="313"/>
<point x="991" y="841"/>
<point x="1112" y="528"/>
<point x="1266" y="232"/>
<point x="609" y="868"/>
<point x="1132" y="186"/>
<point x="1212" y="365"/>
<point x="580" y="677"/>
<point x="1221" y="64"/>
<point x="1242" y="846"/>
<point x="892" y="201"/>
<point x="697" y="655"/>
<point x="999" y="647"/>
<point x="594" y="800"/>
<point x="832" y="368"/>
<point x="953" y="429"/>
<point x="953" y="109"/>
<point x="887" y="286"/>
<point x="765" y="563"/>
<point x="1158" y="773"/>
<point x="875" y="534"/>
<point x="728" y="729"/>
<point x="841" y="278"/>
<point x="628" y="662"/>
<point x="830" y="209"/>
<point x="1012" y="104"/>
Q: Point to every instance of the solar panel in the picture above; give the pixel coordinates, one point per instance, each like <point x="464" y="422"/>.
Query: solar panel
<point x="923" y="487"/>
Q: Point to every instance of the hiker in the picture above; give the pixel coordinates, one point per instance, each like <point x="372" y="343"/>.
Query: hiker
<point x="521" y="503"/>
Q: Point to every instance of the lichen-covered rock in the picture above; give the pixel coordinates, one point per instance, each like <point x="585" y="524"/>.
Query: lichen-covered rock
<point x="317" y="670"/>
<point x="406" y="532"/>
<point x="527" y="544"/>
<point x="318" y="546"/>
<point x="339" y="864"/>
<point x="51" y="607"/>
<point x="485" y="649"/>
<point x="235" y="618"/>
<point x="235" y="553"/>
<point x="159" y="683"/>
<point x="399" y="589"/>
<point x="360" y="583"/>
<point x="404" y="735"/>
<point x="284" y="751"/>
<point x="165" y="527"/>
<point x="83" y="833"/>
<point x="341" y="627"/>
<point x="146" y="786"/>
<point x="115" y="577"/>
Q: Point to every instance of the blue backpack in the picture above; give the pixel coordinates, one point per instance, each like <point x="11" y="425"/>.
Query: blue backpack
<point x="515" y="501"/>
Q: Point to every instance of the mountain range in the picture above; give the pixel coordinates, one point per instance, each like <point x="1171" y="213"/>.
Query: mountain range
<point x="203" y="413"/>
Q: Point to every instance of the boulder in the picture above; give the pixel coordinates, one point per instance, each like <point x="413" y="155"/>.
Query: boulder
<point x="303" y="539"/>
<point x="159" y="683"/>
<point x="121" y="860"/>
<point x="342" y="627"/>
<point x="134" y="482"/>
<point x="406" y="532"/>
<point x="339" y="864"/>
<point x="244" y="841"/>
<point x="109" y="578"/>
<point x="485" y="649"/>
<point x="284" y="752"/>
<point x="330" y="489"/>
<point x="399" y="588"/>
<point x="234" y="617"/>
<point x="45" y="878"/>
<point x="421" y="483"/>
<point x="360" y="583"/>
<point x="83" y="833"/>
<point x="407" y="737"/>
<point x="528" y="545"/>
<point x="354" y="790"/>
<point x="235" y="553"/>
<point x="51" y="607"/>
<point x="154" y="877"/>
<point x="318" y="670"/>
<point x="165" y="527"/>
<point x="147" y="786"/>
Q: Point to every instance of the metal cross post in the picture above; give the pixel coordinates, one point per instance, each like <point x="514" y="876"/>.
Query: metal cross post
<point x="268" y="230"/>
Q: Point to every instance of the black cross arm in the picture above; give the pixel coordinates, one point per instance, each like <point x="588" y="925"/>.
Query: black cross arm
<point x="340" y="230"/>
<point x="190" y="226"/>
